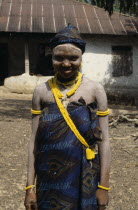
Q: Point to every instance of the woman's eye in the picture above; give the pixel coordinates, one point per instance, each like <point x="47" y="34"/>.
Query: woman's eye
<point x="73" y="58"/>
<point x="58" y="58"/>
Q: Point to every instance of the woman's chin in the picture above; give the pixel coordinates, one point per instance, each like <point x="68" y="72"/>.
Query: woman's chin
<point x="67" y="74"/>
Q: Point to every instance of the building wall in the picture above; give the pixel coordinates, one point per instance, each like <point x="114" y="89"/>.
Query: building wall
<point x="97" y="60"/>
<point x="97" y="64"/>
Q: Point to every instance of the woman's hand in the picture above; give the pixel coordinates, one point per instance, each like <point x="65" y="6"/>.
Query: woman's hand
<point x="102" y="198"/>
<point x="30" y="200"/>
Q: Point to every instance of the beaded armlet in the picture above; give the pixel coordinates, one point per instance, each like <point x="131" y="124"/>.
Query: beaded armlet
<point x="103" y="113"/>
<point x="36" y="111"/>
<point x="100" y="113"/>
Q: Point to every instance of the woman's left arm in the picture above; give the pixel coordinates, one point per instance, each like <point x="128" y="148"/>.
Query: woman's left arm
<point x="104" y="149"/>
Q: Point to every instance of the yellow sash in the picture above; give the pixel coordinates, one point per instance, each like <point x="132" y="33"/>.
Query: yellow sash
<point x="90" y="154"/>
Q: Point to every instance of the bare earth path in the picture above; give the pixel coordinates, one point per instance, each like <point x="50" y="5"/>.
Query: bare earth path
<point x="15" y="131"/>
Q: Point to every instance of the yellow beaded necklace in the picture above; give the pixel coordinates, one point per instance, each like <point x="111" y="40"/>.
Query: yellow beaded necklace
<point x="67" y="84"/>
<point x="90" y="154"/>
<point x="70" y="92"/>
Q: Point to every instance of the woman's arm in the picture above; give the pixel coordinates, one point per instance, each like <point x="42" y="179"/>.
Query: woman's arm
<point x="104" y="148"/>
<point x="30" y="199"/>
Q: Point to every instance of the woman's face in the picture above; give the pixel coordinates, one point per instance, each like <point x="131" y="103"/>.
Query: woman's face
<point x="66" y="60"/>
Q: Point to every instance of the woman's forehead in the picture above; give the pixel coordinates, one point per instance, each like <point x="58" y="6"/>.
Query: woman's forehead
<point x="67" y="48"/>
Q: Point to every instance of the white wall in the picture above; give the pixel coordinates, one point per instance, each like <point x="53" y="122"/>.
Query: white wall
<point x="97" y="63"/>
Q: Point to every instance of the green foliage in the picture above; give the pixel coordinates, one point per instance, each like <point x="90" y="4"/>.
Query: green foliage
<point x="125" y="6"/>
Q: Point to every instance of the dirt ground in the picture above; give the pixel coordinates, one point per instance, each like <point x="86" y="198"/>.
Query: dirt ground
<point x="15" y="131"/>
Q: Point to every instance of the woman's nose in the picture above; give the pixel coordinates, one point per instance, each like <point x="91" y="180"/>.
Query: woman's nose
<point x="66" y="63"/>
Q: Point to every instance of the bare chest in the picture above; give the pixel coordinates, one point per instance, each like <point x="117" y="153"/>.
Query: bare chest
<point x="84" y="91"/>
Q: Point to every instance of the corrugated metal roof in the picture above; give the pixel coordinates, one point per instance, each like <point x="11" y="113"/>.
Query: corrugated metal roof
<point x="50" y="16"/>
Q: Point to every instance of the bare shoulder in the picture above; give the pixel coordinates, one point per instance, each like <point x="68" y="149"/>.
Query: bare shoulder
<point x="42" y="94"/>
<point x="98" y="92"/>
<point x="39" y="89"/>
<point x="93" y="84"/>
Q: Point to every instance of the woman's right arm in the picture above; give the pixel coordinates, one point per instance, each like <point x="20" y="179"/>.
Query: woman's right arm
<point x="30" y="198"/>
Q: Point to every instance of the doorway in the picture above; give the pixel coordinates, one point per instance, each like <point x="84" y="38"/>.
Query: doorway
<point x="3" y="62"/>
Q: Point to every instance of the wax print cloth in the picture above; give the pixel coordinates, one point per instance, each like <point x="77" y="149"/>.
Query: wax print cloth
<point x="65" y="179"/>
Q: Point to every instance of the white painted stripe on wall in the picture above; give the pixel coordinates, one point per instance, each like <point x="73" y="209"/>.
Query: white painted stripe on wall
<point x="75" y="18"/>
<point x="87" y="20"/>
<point x="42" y="18"/>
<point x="133" y="25"/>
<point x="123" y="27"/>
<point x="98" y="20"/>
<point x="53" y="16"/>
<point x="9" y="16"/>
<point x="31" y="17"/>
<point x="110" y="23"/>
<point x="19" y="26"/>
<point x="64" y="16"/>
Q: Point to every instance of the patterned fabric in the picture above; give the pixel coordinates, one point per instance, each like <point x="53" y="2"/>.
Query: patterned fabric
<point x="65" y="179"/>
<point x="69" y="34"/>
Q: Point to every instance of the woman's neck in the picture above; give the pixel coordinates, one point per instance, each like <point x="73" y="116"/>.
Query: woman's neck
<point x="64" y="80"/>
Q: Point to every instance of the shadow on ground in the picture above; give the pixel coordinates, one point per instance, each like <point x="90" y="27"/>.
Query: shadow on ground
<point x="15" y="109"/>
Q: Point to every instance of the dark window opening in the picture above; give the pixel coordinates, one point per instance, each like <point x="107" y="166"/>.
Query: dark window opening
<point x="44" y="65"/>
<point x="3" y="62"/>
<point x="122" y="61"/>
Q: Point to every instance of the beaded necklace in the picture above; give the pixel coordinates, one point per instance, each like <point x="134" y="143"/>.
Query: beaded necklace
<point x="67" y="83"/>
<point x="70" y="92"/>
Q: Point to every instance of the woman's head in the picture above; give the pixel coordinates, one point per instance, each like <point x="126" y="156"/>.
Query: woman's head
<point x="66" y="60"/>
<point x="67" y="47"/>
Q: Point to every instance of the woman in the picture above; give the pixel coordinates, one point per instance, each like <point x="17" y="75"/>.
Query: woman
<point x="69" y="113"/>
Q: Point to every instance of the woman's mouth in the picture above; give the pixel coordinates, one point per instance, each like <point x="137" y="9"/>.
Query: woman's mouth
<point x="66" y="70"/>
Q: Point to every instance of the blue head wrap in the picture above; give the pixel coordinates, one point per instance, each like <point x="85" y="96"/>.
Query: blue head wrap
<point x="69" y="34"/>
